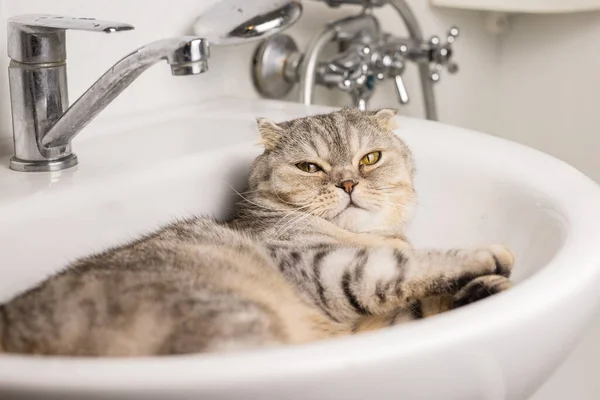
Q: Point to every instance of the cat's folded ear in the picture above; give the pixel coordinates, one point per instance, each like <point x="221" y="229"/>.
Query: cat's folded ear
<point x="270" y="132"/>
<point x="385" y="118"/>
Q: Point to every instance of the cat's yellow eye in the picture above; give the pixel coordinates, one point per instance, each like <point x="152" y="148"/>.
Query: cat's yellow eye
<point x="371" y="158"/>
<point x="308" y="167"/>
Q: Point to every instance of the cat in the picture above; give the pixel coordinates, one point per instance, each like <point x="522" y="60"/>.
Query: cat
<point x="316" y="250"/>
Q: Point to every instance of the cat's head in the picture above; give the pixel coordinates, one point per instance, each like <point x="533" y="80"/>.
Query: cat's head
<point x="347" y="167"/>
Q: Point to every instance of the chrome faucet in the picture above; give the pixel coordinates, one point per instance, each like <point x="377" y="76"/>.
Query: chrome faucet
<point x="43" y="122"/>
<point x="366" y="56"/>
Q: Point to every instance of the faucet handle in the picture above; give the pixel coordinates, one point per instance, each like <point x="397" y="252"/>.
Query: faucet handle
<point x="441" y="54"/>
<point x="64" y="22"/>
<point x="49" y="32"/>
<point x="452" y="34"/>
<point x="390" y="62"/>
<point x="395" y="70"/>
<point x="401" y="90"/>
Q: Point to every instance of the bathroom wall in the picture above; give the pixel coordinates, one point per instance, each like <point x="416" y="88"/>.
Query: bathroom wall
<point x="550" y="86"/>
<point x="536" y="84"/>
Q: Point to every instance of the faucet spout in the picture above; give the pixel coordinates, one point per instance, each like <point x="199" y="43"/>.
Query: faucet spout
<point x="187" y="56"/>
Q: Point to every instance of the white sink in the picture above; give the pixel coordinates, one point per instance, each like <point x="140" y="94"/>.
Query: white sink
<point x="145" y="170"/>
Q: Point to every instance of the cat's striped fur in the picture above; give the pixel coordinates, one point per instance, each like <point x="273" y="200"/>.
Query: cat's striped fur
<point x="305" y="259"/>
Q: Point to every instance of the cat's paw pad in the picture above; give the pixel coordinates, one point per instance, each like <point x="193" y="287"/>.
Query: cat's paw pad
<point x="480" y="288"/>
<point x="498" y="259"/>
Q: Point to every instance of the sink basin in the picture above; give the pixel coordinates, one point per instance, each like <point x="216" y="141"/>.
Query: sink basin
<point x="143" y="171"/>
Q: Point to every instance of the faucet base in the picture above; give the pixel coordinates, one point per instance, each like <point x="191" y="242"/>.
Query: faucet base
<point x="17" y="164"/>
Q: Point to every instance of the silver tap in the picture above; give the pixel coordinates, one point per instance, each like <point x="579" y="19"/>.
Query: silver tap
<point x="366" y="56"/>
<point x="356" y="70"/>
<point x="350" y="73"/>
<point x="351" y="67"/>
<point x="43" y="122"/>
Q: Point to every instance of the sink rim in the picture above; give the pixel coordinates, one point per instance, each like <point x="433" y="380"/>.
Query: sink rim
<point x="212" y="370"/>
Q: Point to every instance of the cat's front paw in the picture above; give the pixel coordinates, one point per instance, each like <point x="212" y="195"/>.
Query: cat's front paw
<point x="497" y="259"/>
<point x="480" y="288"/>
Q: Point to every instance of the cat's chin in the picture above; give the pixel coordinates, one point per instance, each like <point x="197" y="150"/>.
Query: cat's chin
<point x="358" y="219"/>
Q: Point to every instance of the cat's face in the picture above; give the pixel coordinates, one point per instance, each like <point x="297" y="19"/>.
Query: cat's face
<point x="346" y="167"/>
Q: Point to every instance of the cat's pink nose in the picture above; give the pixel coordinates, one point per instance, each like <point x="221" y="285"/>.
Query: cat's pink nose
<point x="348" y="185"/>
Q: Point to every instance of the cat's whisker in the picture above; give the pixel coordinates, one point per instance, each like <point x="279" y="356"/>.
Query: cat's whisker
<point x="283" y="221"/>
<point x="317" y="212"/>
<point x="241" y="194"/>
<point x="237" y="191"/>
<point x="254" y="203"/>
<point x="391" y="203"/>
<point x="391" y="186"/>
<point x="291" y="203"/>
<point x="250" y="191"/>
<point x="296" y="210"/>
<point x="290" y="224"/>
<point x="402" y="208"/>
<point x="293" y="222"/>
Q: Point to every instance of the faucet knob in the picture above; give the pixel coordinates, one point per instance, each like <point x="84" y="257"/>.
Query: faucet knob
<point x="355" y="77"/>
<point x="48" y="32"/>
<point x="349" y="71"/>
<point x="441" y="54"/>
<point x="452" y="34"/>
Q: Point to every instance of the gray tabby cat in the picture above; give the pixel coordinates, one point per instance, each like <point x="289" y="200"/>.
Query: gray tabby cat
<point x="315" y="251"/>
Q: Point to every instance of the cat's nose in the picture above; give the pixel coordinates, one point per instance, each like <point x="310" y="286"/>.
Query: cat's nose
<point x="348" y="185"/>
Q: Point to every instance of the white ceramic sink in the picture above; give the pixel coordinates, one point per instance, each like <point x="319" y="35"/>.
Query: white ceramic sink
<point x="143" y="171"/>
